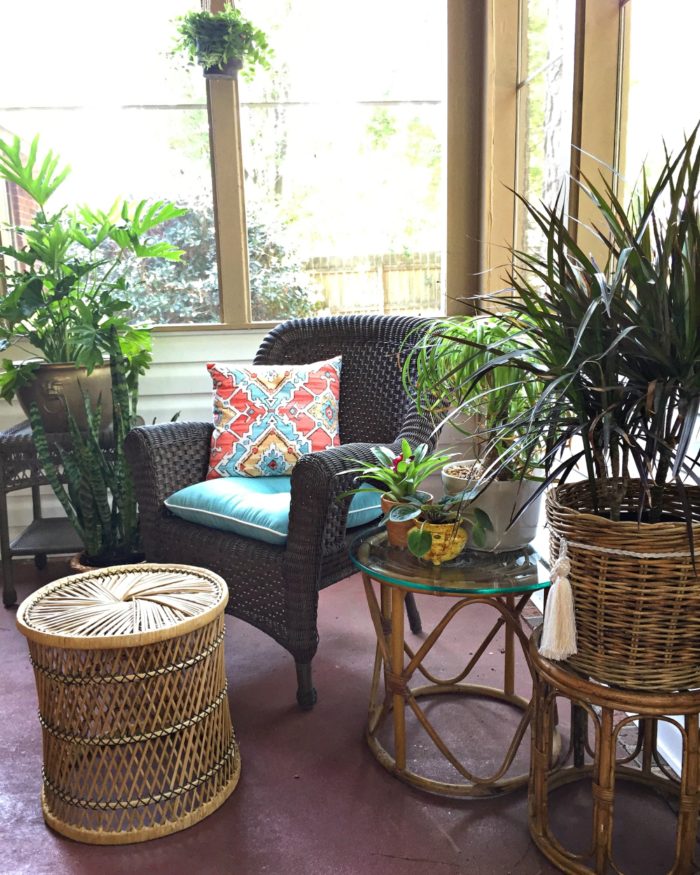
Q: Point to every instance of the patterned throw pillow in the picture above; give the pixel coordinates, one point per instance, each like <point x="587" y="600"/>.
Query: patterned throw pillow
<point x="266" y="417"/>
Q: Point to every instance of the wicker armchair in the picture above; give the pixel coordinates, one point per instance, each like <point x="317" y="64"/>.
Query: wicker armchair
<point x="276" y="588"/>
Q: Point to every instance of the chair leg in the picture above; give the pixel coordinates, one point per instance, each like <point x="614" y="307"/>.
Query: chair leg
<point x="306" y="694"/>
<point x="414" y="620"/>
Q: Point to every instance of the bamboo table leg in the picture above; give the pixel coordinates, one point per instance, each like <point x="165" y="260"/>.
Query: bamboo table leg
<point x="609" y="709"/>
<point x="400" y="664"/>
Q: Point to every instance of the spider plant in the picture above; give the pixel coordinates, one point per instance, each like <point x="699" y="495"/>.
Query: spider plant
<point x="444" y="361"/>
<point x="616" y="347"/>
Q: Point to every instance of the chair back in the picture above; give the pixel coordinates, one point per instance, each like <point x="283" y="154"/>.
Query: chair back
<point x="373" y="402"/>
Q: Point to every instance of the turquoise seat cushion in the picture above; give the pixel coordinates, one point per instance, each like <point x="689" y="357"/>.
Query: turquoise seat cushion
<point x="255" y="507"/>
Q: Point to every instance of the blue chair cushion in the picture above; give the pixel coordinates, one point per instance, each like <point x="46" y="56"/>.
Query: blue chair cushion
<point x="255" y="507"/>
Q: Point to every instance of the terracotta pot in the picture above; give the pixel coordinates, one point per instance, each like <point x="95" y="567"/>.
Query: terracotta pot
<point x="449" y="540"/>
<point x="398" y="532"/>
<point x="60" y="384"/>
<point x="501" y="500"/>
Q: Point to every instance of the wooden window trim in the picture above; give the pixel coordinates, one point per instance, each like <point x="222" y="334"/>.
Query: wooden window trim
<point x="599" y="109"/>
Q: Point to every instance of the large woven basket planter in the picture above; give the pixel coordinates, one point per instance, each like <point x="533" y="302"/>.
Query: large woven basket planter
<point x="636" y="593"/>
<point x="129" y="669"/>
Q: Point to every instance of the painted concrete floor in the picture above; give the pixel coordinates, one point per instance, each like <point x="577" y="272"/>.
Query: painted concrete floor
<point x="312" y="800"/>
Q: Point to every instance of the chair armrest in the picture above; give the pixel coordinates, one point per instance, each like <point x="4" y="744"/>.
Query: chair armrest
<point x="318" y="518"/>
<point x="164" y="458"/>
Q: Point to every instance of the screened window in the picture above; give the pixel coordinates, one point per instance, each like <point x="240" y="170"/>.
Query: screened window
<point x="343" y="157"/>
<point x="661" y="83"/>
<point x="545" y="95"/>
<point x="101" y="89"/>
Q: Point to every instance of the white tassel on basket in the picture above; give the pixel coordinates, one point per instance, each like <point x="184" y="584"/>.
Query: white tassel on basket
<point x="559" y="627"/>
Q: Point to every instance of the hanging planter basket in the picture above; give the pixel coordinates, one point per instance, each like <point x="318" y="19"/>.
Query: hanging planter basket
<point x="227" y="71"/>
<point x="636" y="592"/>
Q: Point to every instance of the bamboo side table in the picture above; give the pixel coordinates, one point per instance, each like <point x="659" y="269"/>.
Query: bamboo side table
<point x="129" y="668"/>
<point x="597" y="756"/>
<point x="505" y="583"/>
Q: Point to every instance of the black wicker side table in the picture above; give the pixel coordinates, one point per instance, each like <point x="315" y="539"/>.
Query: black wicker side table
<point x="20" y="469"/>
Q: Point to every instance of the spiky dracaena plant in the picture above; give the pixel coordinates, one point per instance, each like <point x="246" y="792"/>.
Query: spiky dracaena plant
<point x="96" y="490"/>
<point x="616" y="347"/>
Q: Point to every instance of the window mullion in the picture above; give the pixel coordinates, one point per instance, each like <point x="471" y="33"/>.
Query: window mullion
<point x="229" y="201"/>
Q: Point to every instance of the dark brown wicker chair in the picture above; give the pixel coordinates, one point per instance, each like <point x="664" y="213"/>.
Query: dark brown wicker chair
<point x="276" y="588"/>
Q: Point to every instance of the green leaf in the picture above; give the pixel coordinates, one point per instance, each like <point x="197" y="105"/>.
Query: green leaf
<point x="419" y="542"/>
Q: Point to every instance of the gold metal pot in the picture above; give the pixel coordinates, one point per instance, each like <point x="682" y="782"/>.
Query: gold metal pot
<point x="56" y="386"/>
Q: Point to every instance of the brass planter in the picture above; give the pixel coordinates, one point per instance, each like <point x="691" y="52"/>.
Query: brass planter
<point x="57" y="386"/>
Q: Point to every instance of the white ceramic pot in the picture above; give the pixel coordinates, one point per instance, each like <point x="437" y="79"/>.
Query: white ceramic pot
<point x="501" y="500"/>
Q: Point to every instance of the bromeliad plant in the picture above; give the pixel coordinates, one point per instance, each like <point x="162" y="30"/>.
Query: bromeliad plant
<point x="63" y="274"/>
<point x="449" y="510"/>
<point x="617" y="346"/>
<point x="215" y="39"/>
<point x="399" y="475"/>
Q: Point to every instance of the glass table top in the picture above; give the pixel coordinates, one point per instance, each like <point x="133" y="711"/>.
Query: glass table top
<point x="471" y="573"/>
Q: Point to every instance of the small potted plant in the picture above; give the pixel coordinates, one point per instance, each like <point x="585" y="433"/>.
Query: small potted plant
<point x="438" y="533"/>
<point x="220" y="42"/>
<point x="398" y="478"/>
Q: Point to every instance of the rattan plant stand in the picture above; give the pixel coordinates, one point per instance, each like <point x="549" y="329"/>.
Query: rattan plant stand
<point x="594" y="754"/>
<point x="503" y="583"/>
<point x="129" y="668"/>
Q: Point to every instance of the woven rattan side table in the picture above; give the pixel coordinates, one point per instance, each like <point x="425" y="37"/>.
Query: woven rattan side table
<point x="503" y="583"/>
<point x="600" y="713"/>
<point x="129" y="668"/>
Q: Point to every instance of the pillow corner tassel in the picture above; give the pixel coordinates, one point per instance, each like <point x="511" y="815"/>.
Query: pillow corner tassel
<point x="559" y="627"/>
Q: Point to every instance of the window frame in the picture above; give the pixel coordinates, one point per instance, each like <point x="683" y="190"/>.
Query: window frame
<point x="463" y="197"/>
<point x="599" y="108"/>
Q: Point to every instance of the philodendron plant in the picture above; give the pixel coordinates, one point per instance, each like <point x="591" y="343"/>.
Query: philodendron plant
<point x="64" y="273"/>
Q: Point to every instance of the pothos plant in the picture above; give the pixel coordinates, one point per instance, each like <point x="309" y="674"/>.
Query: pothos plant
<point x="63" y="273"/>
<point x="215" y="39"/>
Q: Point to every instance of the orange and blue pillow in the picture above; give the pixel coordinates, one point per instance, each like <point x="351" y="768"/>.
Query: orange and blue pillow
<point x="266" y="417"/>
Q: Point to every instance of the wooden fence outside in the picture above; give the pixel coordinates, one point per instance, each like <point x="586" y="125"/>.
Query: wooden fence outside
<point x="379" y="283"/>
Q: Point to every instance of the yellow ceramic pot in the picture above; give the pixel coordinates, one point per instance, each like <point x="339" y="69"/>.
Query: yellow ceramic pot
<point x="448" y="541"/>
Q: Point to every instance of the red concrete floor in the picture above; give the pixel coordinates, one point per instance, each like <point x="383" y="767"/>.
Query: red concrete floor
<point x="312" y="800"/>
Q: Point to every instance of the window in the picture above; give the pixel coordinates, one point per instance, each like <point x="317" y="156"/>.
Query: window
<point x="662" y="98"/>
<point x="342" y="145"/>
<point x="342" y="150"/>
<point x="545" y="93"/>
<point x="553" y="107"/>
<point x="129" y="120"/>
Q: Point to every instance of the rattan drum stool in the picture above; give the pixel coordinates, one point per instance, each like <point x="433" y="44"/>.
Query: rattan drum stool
<point x="597" y="756"/>
<point x="129" y="668"/>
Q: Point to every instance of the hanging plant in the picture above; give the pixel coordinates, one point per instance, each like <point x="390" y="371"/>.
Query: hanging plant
<point x="221" y="42"/>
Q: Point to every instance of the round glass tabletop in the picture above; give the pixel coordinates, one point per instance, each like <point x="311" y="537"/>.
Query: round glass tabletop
<point x="471" y="573"/>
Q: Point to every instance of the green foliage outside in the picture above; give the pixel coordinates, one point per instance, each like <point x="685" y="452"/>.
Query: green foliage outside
<point x="188" y="291"/>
